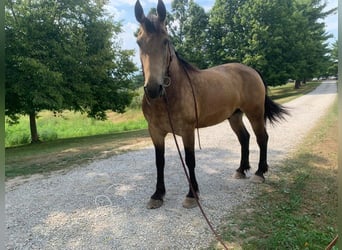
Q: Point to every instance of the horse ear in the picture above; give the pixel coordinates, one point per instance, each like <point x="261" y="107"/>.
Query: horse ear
<point x="161" y="10"/>
<point x="139" y="12"/>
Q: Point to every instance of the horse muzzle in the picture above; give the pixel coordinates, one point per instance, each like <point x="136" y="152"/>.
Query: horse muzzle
<point x="154" y="90"/>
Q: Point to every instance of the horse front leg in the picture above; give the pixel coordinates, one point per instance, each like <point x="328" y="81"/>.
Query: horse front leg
<point x="156" y="199"/>
<point x="189" y="144"/>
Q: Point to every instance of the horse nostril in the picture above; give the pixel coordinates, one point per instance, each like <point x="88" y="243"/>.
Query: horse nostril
<point x="153" y="91"/>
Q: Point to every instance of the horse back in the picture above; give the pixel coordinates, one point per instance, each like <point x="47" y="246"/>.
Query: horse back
<point x="226" y="88"/>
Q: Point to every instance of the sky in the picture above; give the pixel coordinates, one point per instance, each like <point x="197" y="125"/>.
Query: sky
<point x="123" y="10"/>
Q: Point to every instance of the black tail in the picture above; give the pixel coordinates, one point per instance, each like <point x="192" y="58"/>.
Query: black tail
<point x="274" y="112"/>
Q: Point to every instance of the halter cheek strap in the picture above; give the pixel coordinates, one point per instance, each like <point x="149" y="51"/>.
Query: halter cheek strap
<point x="167" y="77"/>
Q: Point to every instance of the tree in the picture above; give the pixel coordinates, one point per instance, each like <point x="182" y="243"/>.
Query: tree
<point x="281" y="38"/>
<point x="314" y="47"/>
<point x="272" y="38"/>
<point x="63" y="55"/>
<point x="226" y="35"/>
<point x="188" y="26"/>
<point x="333" y="62"/>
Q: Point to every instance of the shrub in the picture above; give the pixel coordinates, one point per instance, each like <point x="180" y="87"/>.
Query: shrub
<point x="137" y="99"/>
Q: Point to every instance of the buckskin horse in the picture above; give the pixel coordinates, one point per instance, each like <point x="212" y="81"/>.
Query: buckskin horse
<point x="180" y="98"/>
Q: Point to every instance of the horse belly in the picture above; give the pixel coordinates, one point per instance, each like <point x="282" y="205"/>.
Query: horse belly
<point x="216" y="112"/>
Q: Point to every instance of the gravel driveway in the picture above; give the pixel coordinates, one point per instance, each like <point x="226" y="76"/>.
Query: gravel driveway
<point x="103" y="205"/>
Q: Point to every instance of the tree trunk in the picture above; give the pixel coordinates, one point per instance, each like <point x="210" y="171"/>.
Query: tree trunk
<point x="297" y="84"/>
<point x="33" y="128"/>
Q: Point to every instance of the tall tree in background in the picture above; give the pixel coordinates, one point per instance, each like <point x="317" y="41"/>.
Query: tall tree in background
<point x="188" y="26"/>
<point x="63" y="55"/>
<point x="269" y="38"/>
<point x="314" y="46"/>
<point x="281" y="38"/>
<point x="176" y="21"/>
<point x="225" y="33"/>
<point x="333" y="62"/>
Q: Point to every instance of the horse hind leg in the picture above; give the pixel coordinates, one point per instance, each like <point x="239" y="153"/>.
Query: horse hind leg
<point x="258" y="125"/>
<point x="240" y="130"/>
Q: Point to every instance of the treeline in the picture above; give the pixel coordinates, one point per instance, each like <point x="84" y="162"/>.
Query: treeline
<point x="281" y="38"/>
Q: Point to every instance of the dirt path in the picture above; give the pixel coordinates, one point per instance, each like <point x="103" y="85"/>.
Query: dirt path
<point x="103" y="205"/>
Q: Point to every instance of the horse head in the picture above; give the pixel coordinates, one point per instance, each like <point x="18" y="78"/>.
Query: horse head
<point x="154" y="45"/>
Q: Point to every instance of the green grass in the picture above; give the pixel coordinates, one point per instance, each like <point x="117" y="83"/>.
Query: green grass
<point x="43" y="158"/>
<point x="72" y="124"/>
<point x="297" y="207"/>
<point x="287" y="92"/>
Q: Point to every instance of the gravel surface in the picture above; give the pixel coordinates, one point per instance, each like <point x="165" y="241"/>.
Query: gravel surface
<point x="103" y="205"/>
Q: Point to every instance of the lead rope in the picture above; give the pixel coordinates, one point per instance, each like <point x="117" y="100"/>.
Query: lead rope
<point x="188" y="177"/>
<point x="332" y="243"/>
<point x="196" y="112"/>
<point x="168" y="80"/>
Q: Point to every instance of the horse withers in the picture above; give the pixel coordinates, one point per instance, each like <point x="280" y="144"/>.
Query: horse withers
<point x="196" y="99"/>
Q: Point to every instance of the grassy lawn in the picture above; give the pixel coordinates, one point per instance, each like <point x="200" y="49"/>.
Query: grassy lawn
<point x="72" y="124"/>
<point x="297" y="207"/>
<point x="60" y="154"/>
<point x="287" y="92"/>
<point x="72" y="138"/>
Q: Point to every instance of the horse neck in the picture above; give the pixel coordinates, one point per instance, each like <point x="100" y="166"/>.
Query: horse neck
<point x="183" y="88"/>
<point x="178" y="74"/>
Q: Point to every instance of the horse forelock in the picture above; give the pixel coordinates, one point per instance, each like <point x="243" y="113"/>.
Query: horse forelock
<point x="153" y="25"/>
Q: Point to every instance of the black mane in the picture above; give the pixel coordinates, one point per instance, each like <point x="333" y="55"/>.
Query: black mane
<point x="186" y="65"/>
